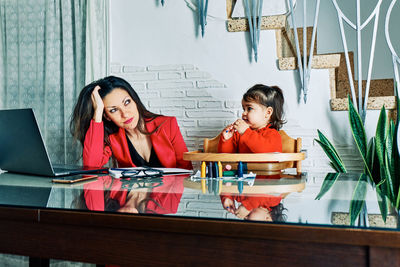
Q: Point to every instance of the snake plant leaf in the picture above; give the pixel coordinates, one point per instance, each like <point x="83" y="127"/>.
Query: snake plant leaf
<point x="329" y="180"/>
<point x="373" y="163"/>
<point x="359" y="136"/>
<point x="336" y="161"/>
<point x="357" y="128"/>
<point x="358" y="199"/>
<point x="326" y="141"/>
<point x="382" y="203"/>
<point x="381" y="135"/>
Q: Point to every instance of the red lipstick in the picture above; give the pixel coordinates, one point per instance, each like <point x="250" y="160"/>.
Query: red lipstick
<point x="128" y="121"/>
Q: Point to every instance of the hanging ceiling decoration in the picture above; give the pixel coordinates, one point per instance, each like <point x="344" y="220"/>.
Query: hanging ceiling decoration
<point x="253" y="11"/>
<point x="202" y="6"/>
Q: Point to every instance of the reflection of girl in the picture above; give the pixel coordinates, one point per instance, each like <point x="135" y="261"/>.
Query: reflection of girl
<point x="110" y="120"/>
<point x="259" y="208"/>
<point x="110" y="194"/>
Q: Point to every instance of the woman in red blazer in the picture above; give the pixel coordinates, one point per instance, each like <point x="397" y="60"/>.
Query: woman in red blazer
<point x="110" y="121"/>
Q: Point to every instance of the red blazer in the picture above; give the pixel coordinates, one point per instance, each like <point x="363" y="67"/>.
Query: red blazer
<point x="168" y="195"/>
<point x="167" y="142"/>
<point x="264" y="140"/>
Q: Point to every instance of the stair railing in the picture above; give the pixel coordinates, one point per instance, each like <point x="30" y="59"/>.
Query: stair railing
<point x="358" y="27"/>
<point x="395" y="57"/>
<point x="304" y="65"/>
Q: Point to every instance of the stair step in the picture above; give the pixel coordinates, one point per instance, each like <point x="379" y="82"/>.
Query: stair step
<point x="318" y="62"/>
<point x="267" y="23"/>
<point x="374" y="102"/>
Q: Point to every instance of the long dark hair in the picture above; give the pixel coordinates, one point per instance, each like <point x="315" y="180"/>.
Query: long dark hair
<point x="269" y="96"/>
<point x="84" y="111"/>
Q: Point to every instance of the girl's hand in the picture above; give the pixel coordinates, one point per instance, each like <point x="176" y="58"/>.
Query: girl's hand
<point x="242" y="212"/>
<point x="229" y="205"/>
<point x="227" y="133"/>
<point x="98" y="105"/>
<point x="240" y="125"/>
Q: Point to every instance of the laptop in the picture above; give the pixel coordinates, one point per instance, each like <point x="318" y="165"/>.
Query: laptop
<point x="22" y="149"/>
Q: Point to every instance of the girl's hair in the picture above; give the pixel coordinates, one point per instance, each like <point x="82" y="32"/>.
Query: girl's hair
<point x="269" y="96"/>
<point x="277" y="213"/>
<point x="84" y="111"/>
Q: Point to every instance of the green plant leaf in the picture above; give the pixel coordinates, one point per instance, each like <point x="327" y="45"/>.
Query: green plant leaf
<point x="357" y="128"/>
<point x="336" y="162"/>
<point x="359" y="136"/>
<point x="371" y="159"/>
<point x="358" y="199"/>
<point x="329" y="180"/>
<point x="382" y="203"/>
<point x="326" y="141"/>
<point x="381" y="133"/>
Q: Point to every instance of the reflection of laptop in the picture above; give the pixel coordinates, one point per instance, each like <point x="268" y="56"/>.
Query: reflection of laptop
<point x="22" y="148"/>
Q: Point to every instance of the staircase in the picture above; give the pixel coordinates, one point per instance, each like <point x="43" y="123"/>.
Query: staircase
<point x="380" y="92"/>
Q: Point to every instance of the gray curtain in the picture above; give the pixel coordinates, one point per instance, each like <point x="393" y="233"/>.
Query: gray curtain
<point x="43" y="65"/>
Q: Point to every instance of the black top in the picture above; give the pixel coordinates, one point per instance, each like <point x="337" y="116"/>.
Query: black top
<point x="139" y="161"/>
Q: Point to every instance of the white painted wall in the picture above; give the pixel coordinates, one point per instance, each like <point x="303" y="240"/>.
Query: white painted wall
<point x="145" y="35"/>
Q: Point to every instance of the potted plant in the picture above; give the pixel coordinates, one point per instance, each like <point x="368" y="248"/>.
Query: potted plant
<point x="381" y="162"/>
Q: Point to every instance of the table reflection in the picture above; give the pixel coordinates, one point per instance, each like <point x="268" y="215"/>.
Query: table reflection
<point x="271" y="199"/>
<point x="156" y="195"/>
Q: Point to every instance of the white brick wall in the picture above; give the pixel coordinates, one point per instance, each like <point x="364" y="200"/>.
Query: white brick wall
<point x="184" y="91"/>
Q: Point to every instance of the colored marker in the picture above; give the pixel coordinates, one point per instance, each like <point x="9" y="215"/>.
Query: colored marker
<point x="216" y="170"/>
<point x="240" y="169"/>
<point x="203" y="170"/>
<point x="220" y="169"/>
<point x="203" y="186"/>
<point x="229" y="173"/>
<point x="240" y="187"/>
<point x="210" y="172"/>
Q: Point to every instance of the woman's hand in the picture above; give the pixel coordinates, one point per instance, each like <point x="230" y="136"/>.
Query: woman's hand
<point x="98" y="105"/>
<point x="240" y="125"/>
<point x="227" y="133"/>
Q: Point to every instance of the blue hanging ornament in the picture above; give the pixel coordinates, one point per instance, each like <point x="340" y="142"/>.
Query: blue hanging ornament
<point x="253" y="11"/>
<point x="202" y="6"/>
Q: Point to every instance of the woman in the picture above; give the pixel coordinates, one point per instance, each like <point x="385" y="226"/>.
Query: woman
<point x="110" y="120"/>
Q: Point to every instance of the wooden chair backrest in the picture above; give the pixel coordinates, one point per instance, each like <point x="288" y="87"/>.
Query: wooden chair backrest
<point x="289" y="145"/>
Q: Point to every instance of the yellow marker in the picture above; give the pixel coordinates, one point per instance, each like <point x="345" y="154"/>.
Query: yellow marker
<point x="203" y="170"/>
<point x="203" y="186"/>
<point x="219" y="168"/>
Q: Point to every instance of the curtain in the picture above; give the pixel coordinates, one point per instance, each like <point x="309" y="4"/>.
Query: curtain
<point x="43" y="65"/>
<point x="97" y="32"/>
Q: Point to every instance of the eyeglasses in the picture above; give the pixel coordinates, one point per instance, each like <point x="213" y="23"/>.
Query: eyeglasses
<point x="135" y="173"/>
<point x="142" y="173"/>
<point x="141" y="182"/>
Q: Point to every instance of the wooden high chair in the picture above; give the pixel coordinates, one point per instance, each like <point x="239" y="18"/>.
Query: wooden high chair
<point x="260" y="163"/>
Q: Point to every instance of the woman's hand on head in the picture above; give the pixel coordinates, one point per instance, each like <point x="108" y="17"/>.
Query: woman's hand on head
<point x="227" y="133"/>
<point x="98" y="105"/>
<point x="240" y="125"/>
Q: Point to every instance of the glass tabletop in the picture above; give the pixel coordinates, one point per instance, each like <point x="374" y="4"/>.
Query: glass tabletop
<point x="287" y="199"/>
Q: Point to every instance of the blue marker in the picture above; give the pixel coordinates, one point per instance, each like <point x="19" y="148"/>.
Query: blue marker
<point x="240" y="169"/>
<point x="240" y="187"/>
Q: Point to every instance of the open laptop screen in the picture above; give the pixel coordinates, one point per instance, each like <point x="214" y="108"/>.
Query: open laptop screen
<point x="22" y="149"/>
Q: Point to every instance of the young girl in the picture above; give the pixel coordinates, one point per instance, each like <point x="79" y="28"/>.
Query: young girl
<point x="257" y="131"/>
